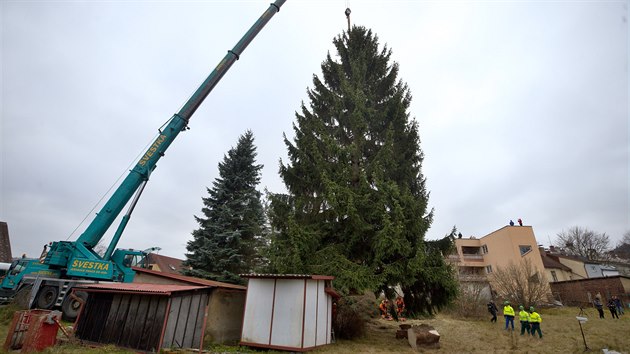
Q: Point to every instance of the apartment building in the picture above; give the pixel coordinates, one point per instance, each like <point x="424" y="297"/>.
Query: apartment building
<point x="477" y="258"/>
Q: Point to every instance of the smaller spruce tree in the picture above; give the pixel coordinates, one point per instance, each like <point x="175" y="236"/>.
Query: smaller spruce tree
<point x="230" y="233"/>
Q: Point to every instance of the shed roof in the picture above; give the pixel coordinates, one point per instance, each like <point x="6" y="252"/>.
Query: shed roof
<point x="192" y="280"/>
<point x="288" y="276"/>
<point x="139" y="288"/>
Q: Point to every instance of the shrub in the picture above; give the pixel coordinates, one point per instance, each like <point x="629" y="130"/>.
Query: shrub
<point x="352" y="314"/>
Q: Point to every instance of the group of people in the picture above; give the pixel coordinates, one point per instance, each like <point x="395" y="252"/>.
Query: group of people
<point x="530" y="321"/>
<point x="615" y="306"/>
<point x="520" y="222"/>
<point x="399" y="308"/>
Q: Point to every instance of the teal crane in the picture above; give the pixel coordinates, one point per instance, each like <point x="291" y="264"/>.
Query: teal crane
<point x="78" y="259"/>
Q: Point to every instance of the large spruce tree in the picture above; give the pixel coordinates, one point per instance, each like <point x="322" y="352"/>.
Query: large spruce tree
<point x="356" y="206"/>
<point x="230" y="233"/>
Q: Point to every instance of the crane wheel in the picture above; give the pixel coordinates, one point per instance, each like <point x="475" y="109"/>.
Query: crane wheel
<point x="71" y="305"/>
<point x="47" y="297"/>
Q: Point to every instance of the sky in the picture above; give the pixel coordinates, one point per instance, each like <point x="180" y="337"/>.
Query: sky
<point x="522" y="108"/>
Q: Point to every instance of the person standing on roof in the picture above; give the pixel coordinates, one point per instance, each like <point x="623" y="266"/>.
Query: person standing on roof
<point x="511" y="223"/>
<point x="524" y="317"/>
<point x="520" y="222"/>
<point x="508" y="313"/>
<point x="535" y="320"/>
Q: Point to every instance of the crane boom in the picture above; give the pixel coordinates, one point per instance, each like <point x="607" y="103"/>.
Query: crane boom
<point x="106" y="216"/>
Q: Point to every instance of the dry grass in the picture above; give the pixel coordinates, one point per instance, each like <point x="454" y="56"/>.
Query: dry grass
<point x="560" y="329"/>
<point x="561" y="334"/>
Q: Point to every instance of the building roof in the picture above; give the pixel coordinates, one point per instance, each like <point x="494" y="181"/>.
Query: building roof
<point x="550" y="262"/>
<point x="191" y="280"/>
<point x="288" y="276"/>
<point x="165" y="264"/>
<point x="139" y="288"/>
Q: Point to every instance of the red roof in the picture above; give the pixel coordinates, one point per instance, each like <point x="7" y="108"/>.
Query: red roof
<point x="165" y="264"/>
<point x="139" y="288"/>
<point x="192" y="280"/>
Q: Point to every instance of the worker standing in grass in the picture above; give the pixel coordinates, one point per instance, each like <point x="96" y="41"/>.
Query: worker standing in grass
<point x="508" y="313"/>
<point x="535" y="320"/>
<point x="524" y="317"/>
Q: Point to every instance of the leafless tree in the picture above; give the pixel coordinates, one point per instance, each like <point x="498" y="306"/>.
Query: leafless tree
<point x="625" y="239"/>
<point x="521" y="283"/>
<point x="580" y="241"/>
<point x="472" y="298"/>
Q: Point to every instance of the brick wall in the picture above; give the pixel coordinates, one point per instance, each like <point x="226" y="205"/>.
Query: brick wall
<point x="576" y="292"/>
<point x="5" y="244"/>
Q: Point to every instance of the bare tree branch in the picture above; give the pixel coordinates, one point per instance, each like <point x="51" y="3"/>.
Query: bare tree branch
<point x="521" y="283"/>
<point x="585" y="243"/>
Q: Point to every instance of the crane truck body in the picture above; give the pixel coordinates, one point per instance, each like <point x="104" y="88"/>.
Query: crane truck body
<point x="47" y="281"/>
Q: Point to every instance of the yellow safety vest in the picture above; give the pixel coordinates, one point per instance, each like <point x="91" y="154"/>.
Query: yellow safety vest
<point x="535" y="317"/>
<point x="508" y="310"/>
<point x="524" y="315"/>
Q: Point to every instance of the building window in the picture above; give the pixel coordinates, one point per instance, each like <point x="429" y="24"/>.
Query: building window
<point x="484" y="249"/>
<point x="554" y="276"/>
<point x="488" y="269"/>
<point x="525" y="249"/>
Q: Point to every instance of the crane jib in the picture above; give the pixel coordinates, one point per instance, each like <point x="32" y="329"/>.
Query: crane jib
<point x="140" y="173"/>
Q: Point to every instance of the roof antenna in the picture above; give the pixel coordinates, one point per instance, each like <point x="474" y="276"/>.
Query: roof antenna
<point x="348" y="17"/>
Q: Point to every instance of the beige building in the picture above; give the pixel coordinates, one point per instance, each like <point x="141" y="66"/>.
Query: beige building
<point x="555" y="270"/>
<point x="477" y="258"/>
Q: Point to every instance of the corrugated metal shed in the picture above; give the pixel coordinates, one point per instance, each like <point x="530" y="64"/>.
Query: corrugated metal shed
<point x="146" y="317"/>
<point x="288" y="311"/>
<point x="288" y="276"/>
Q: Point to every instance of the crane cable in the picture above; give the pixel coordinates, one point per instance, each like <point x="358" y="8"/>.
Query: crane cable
<point x="347" y="12"/>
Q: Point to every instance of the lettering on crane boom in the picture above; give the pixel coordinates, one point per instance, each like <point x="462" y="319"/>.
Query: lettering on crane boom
<point x="152" y="150"/>
<point x="94" y="267"/>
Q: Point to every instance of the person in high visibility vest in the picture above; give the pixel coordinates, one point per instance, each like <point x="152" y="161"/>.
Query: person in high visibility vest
<point x="524" y="317"/>
<point x="535" y="320"/>
<point x="508" y="313"/>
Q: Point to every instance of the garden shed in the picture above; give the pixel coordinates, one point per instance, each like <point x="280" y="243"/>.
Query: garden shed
<point x="145" y="317"/>
<point x="288" y="312"/>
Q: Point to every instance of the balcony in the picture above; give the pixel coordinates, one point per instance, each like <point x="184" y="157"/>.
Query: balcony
<point x="473" y="257"/>
<point x="473" y="277"/>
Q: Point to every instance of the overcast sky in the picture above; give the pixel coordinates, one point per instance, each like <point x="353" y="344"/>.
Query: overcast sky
<point x="522" y="107"/>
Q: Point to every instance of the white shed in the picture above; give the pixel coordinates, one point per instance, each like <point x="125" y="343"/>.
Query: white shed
<point x="288" y="311"/>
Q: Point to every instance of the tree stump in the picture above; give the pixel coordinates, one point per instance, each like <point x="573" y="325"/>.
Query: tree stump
<point x="423" y="336"/>
<point x="402" y="332"/>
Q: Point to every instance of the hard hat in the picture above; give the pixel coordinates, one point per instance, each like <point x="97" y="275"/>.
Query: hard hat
<point x="506" y="302"/>
<point x="520" y="307"/>
<point x="531" y="308"/>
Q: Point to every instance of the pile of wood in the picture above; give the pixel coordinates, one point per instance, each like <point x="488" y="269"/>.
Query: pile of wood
<point x="419" y="336"/>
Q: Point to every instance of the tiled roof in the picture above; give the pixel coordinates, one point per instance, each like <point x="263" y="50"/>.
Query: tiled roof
<point x="549" y="262"/>
<point x="139" y="288"/>
<point x="165" y="264"/>
<point x="191" y="280"/>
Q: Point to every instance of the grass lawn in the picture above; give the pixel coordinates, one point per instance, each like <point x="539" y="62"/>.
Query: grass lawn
<point x="561" y="334"/>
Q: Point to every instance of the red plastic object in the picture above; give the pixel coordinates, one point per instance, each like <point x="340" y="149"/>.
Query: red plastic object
<point x="32" y="330"/>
